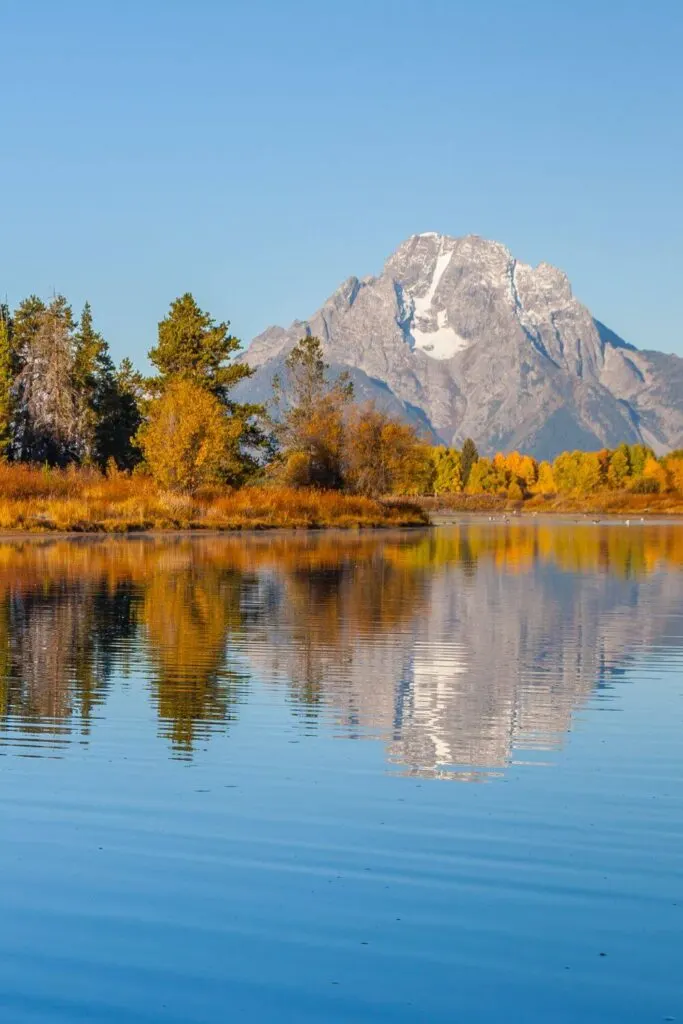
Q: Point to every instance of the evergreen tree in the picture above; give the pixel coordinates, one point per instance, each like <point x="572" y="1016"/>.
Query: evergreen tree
<point x="117" y="404"/>
<point x="7" y="371"/>
<point x="47" y="405"/>
<point x="191" y="344"/>
<point x="468" y="456"/>
<point x="91" y="363"/>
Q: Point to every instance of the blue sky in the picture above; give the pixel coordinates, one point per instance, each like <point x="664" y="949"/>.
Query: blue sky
<point x="257" y="153"/>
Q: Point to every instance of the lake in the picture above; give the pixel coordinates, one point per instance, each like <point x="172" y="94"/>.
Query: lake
<point x="422" y="776"/>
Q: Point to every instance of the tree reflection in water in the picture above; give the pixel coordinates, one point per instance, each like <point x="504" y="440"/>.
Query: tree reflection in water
<point x="456" y="647"/>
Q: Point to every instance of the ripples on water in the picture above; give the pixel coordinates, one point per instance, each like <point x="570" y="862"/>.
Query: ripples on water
<point x="191" y="832"/>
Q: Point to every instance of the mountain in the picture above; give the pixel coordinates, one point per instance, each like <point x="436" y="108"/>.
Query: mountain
<point x="463" y="340"/>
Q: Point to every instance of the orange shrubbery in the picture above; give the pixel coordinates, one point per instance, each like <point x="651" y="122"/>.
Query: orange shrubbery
<point x="37" y="499"/>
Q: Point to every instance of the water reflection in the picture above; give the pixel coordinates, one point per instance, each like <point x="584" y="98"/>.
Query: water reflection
<point x="457" y="648"/>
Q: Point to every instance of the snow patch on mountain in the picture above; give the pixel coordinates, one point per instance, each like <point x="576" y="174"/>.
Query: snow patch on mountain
<point x="430" y="330"/>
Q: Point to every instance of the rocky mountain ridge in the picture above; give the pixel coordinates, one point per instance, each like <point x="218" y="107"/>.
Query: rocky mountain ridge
<point x="461" y="338"/>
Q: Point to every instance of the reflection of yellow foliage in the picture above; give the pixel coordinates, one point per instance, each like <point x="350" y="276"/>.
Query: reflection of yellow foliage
<point x="626" y="551"/>
<point x="189" y="611"/>
<point x="182" y="602"/>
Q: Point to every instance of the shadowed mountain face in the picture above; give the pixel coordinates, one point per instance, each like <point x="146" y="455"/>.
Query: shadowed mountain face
<point x="465" y="341"/>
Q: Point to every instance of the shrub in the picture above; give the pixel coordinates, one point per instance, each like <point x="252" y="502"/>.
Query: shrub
<point x="645" y="485"/>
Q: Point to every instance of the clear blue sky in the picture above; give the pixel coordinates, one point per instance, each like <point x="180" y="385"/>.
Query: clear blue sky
<point x="257" y="153"/>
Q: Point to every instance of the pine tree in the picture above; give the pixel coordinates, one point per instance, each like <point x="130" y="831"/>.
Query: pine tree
<point x="117" y="404"/>
<point x="47" y="406"/>
<point x="191" y="344"/>
<point x="7" y="371"/>
<point x="469" y="456"/>
<point x="91" y="364"/>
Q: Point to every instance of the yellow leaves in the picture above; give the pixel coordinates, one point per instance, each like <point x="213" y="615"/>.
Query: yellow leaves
<point x="447" y="470"/>
<point x="187" y="438"/>
<point x="385" y="456"/>
<point x="545" y="483"/>
<point x="578" y="472"/>
<point x="674" y="471"/>
<point x="296" y="470"/>
<point x="488" y="477"/>
<point x="512" y="474"/>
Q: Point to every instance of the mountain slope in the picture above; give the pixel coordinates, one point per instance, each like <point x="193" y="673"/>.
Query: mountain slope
<point x="458" y="335"/>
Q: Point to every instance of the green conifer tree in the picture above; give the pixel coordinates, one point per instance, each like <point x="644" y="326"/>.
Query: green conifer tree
<point x="468" y="457"/>
<point x="46" y="403"/>
<point x="7" y="371"/>
<point x="191" y="344"/>
<point x="117" y="403"/>
<point x="91" y="362"/>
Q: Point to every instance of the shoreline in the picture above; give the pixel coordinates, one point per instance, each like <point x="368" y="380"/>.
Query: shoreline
<point x="210" y="531"/>
<point x="604" y="505"/>
<point x="440" y="519"/>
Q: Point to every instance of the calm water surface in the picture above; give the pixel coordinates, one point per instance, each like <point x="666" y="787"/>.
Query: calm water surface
<point x="432" y="776"/>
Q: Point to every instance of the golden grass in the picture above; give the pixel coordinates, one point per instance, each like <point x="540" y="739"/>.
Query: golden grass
<point x="37" y="500"/>
<point x="601" y="503"/>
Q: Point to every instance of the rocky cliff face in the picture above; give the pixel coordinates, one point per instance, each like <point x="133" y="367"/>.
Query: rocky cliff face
<point x="465" y="340"/>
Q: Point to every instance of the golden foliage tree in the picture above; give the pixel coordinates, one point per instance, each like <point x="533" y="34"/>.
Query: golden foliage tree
<point x="448" y="474"/>
<point x="384" y="455"/>
<point x="545" y="481"/>
<point x="487" y="477"/>
<point x="187" y="440"/>
<point x="619" y="470"/>
<point x="309" y="422"/>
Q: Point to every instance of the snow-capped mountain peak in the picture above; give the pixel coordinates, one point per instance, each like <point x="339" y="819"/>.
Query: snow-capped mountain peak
<point x="461" y="337"/>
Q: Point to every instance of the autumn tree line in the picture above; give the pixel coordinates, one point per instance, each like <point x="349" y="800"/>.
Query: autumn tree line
<point x="64" y="402"/>
<point x="628" y="468"/>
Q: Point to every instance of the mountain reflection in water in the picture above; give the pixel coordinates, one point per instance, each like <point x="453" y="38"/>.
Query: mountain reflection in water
<point x="456" y="647"/>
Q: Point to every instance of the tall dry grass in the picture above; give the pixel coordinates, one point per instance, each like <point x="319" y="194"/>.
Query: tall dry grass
<point x="41" y="499"/>
<point x="608" y="503"/>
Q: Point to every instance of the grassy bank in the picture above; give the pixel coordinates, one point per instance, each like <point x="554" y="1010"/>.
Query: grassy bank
<point x="39" y="500"/>
<point x="602" y="503"/>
